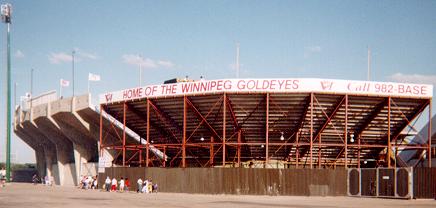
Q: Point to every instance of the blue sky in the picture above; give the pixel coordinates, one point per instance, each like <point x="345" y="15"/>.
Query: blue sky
<point x="321" y="39"/>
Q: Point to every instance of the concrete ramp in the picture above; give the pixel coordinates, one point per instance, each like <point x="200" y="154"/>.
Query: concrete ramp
<point x="65" y="147"/>
<point x="411" y="156"/>
<point x="65" y="134"/>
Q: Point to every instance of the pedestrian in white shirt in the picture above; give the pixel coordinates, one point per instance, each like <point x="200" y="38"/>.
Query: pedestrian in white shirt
<point x="122" y="185"/>
<point x="107" y="184"/>
<point x="114" y="185"/>
<point x="139" y="190"/>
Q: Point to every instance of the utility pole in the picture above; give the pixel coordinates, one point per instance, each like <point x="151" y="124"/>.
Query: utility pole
<point x="31" y="89"/>
<point x="140" y="70"/>
<point x="237" y="60"/>
<point x="6" y="11"/>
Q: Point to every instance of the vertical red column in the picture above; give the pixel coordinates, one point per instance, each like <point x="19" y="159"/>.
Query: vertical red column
<point x="311" y="130"/>
<point x="358" y="153"/>
<point x="346" y="131"/>
<point x="147" y="146"/>
<point x="184" y="133"/>
<point x="164" y="156"/>
<point x="224" y="129"/>
<point x="429" y="135"/>
<point x="297" y="149"/>
<point x="124" y="134"/>
<point x="319" y="151"/>
<point x="140" y="157"/>
<point x="267" y="131"/>
<point x="211" y="151"/>
<point x="388" y="155"/>
<point x="239" y="148"/>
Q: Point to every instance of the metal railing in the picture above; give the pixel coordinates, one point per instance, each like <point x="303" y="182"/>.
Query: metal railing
<point x="43" y="98"/>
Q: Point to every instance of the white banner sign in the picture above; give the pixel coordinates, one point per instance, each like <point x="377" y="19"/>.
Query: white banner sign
<point x="272" y="85"/>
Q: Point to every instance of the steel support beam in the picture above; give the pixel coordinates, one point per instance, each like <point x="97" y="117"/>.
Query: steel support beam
<point x="370" y="118"/>
<point x="346" y="131"/>
<point x="201" y="117"/>
<point x="388" y="154"/>
<point x="224" y="129"/>
<point x="267" y="131"/>
<point x="311" y="130"/>
<point x="239" y="148"/>
<point x="147" y="147"/>
<point x="212" y="154"/>
<point x="124" y="133"/>
<point x="429" y="134"/>
<point x="359" y="150"/>
<point x="297" y="150"/>
<point x="319" y="151"/>
<point x="184" y="133"/>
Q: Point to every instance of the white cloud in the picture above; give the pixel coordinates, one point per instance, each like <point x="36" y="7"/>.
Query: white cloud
<point x="61" y="57"/>
<point x="57" y="58"/>
<point x="91" y="56"/>
<point x="311" y="50"/>
<point x="86" y="55"/>
<point x="19" y="54"/>
<point x="137" y="60"/>
<point x="167" y="64"/>
<point x="414" y="78"/>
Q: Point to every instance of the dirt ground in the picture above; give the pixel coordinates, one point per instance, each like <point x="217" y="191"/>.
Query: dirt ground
<point x="28" y="195"/>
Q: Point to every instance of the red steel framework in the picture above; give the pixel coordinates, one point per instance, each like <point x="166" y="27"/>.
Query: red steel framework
<point x="229" y="129"/>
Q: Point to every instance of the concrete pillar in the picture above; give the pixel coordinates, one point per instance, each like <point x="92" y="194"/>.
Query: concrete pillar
<point x="64" y="147"/>
<point x="49" y="149"/>
<point x="37" y="147"/>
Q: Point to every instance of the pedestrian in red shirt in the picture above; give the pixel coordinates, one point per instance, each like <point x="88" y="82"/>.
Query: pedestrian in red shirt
<point x="127" y="184"/>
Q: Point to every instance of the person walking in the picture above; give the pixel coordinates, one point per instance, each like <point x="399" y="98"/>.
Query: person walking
<point x="107" y="183"/>
<point x="139" y="183"/>
<point x="114" y="185"/>
<point x="122" y="184"/>
<point x="127" y="186"/>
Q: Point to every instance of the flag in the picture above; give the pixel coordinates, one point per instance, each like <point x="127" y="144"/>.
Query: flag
<point x="93" y="77"/>
<point x="65" y="83"/>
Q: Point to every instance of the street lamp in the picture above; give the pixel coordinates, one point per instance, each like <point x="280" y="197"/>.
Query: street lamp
<point x="141" y="59"/>
<point x="6" y="11"/>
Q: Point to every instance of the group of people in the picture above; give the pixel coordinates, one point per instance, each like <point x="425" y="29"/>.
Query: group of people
<point x="46" y="180"/>
<point x="113" y="185"/>
<point x="146" y="186"/>
<point x="88" y="182"/>
<point x="123" y="184"/>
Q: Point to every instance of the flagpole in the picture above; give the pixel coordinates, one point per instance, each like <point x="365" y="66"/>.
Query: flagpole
<point x="88" y="83"/>
<point x="60" y="89"/>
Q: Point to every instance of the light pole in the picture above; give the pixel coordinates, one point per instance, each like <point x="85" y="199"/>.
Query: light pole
<point x="72" y="55"/>
<point x="6" y="10"/>
<point x="15" y="95"/>
<point x="31" y="88"/>
<point x="140" y="69"/>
